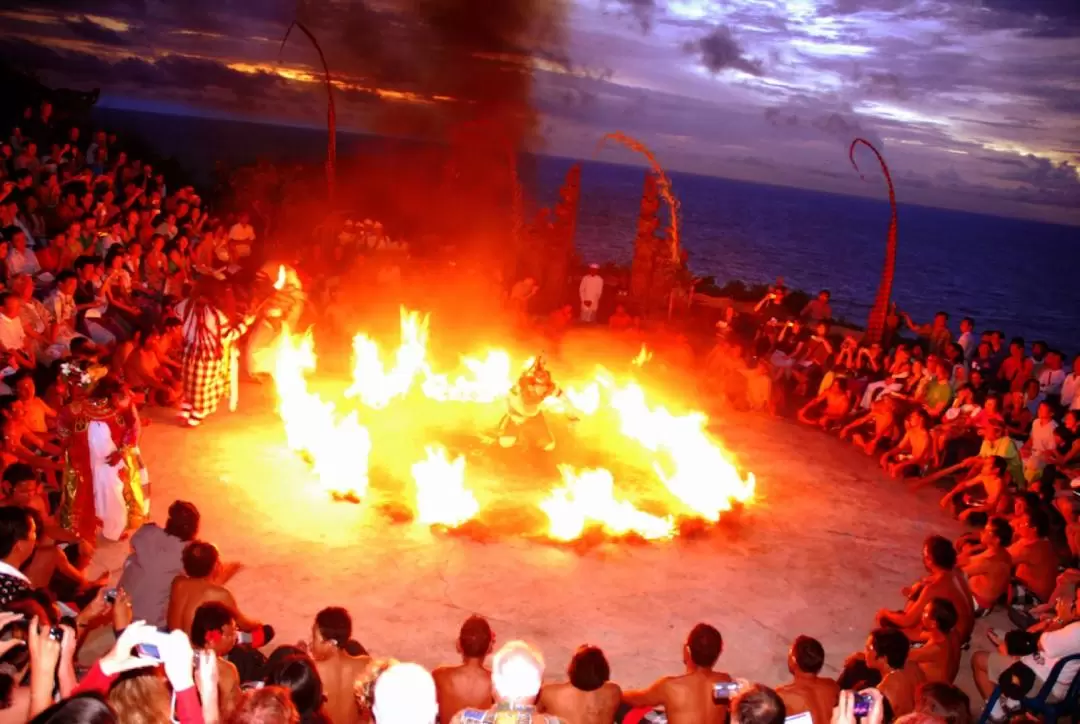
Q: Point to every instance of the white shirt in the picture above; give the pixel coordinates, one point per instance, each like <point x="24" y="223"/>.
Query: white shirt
<point x="1050" y="381"/>
<point x="12" y="335"/>
<point x="1070" y="391"/>
<point x="968" y="342"/>
<point x="6" y="569"/>
<point x="1056" y="645"/>
<point x="1042" y="436"/>
<point x="23" y="262"/>
<point x="242" y="232"/>
<point x="592" y="286"/>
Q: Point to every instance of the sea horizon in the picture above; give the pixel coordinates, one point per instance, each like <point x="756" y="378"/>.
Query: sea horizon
<point x="962" y="262"/>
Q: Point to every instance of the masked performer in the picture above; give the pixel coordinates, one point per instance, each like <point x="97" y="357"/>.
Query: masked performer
<point x="102" y="477"/>
<point x="208" y="341"/>
<point x="525" y="415"/>
<point x="282" y="309"/>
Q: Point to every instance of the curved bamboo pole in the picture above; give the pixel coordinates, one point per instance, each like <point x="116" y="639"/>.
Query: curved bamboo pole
<point x="331" y="110"/>
<point x="663" y="184"/>
<point x="875" y="324"/>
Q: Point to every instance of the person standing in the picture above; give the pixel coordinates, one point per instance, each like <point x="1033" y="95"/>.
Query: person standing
<point x="590" y="291"/>
<point x="208" y="338"/>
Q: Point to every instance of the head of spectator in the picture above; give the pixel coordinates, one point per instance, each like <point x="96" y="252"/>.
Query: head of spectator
<point x="214" y="627"/>
<point x="758" y="705"/>
<point x="997" y="534"/>
<point x="80" y="709"/>
<point x="330" y="632"/>
<point x="1016" y="348"/>
<point x="201" y="559"/>
<point x="517" y="670"/>
<point x="21" y="485"/>
<point x="806" y="657"/>
<point x="941" y="320"/>
<point x="268" y="705"/>
<point x="475" y="639"/>
<point x="588" y="669"/>
<point x="944" y="701"/>
<point x="940" y="616"/>
<point x="298" y="674"/>
<point x="10" y="304"/>
<point x="703" y="647"/>
<point x="141" y="696"/>
<point x="18" y="535"/>
<point x="887" y="650"/>
<point x="183" y="520"/>
<point x="405" y="694"/>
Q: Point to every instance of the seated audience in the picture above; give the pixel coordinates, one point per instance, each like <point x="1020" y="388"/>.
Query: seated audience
<point x="338" y="669"/>
<point x="887" y="652"/>
<point x="688" y="698"/>
<point x="517" y="671"/>
<point x="214" y="629"/>
<point x="466" y="685"/>
<point x="808" y="692"/>
<point x="156" y="560"/>
<point x="939" y="655"/>
<point x="589" y="696"/>
<point x="989" y="567"/>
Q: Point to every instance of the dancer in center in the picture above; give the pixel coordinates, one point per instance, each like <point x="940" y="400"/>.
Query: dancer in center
<point x="209" y="338"/>
<point x="524" y="414"/>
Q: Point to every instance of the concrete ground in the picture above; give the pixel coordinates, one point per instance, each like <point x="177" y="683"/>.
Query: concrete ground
<point x="828" y="541"/>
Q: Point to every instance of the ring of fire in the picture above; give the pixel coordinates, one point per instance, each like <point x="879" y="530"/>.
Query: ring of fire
<point x="693" y="478"/>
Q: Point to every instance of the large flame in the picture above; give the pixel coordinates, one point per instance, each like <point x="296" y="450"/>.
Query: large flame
<point x="696" y="477"/>
<point x="589" y="497"/>
<point x="337" y="446"/>
<point x="441" y="495"/>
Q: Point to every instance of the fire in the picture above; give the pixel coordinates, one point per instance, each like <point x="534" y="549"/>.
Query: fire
<point x="642" y="357"/>
<point x="338" y="447"/>
<point x="280" y="283"/>
<point x="441" y="495"/>
<point x="589" y="497"/>
<point x="694" y="474"/>
<point x="372" y="383"/>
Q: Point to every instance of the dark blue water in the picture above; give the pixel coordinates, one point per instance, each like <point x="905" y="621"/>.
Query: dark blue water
<point x="1014" y="275"/>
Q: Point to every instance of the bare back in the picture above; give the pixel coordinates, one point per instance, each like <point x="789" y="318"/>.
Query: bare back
<point x="339" y="674"/>
<point x="187" y="594"/>
<point x="688" y="699"/>
<point x="817" y="695"/>
<point x="465" y="686"/>
<point x="899" y="688"/>
<point x="575" y="706"/>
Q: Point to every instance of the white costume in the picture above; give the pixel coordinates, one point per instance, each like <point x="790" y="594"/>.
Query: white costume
<point x="108" y="486"/>
<point x="590" y="291"/>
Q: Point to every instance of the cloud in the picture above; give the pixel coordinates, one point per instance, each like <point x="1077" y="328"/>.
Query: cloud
<point x="644" y="11"/>
<point x="719" y="51"/>
<point x="86" y="29"/>
<point x="1051" y="183"/>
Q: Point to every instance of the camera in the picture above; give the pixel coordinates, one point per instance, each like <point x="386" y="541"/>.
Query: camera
<point x="110" y="596"/>
<point x="56" y="633"/>
<point x="724" y="691"/>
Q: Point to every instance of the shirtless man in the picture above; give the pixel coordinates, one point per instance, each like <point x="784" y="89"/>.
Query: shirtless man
<point x="875" y="427"/>
<point x="214" y="629"/>
<point x="1035" y="563"/>
<point x="828" y="409"/>
<point x="914" y="450"/>
<point x="809" y="692"/>
<point x="144" y="369"/>
<point x="945" y="581"/>
<point x="338" y="670"/>
<point x="939" y="656"/>
<point x="589" y="697"/>
<point x="983" y="494"/>
<point x="203" y="584"/>
<point x="467" y="685"/>
<point x="989" y="570"/>
<point x="887" y="651"/>
<point x="688" y="698"/>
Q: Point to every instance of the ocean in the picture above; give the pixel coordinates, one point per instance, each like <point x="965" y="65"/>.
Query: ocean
<point x="1015" y="275"/>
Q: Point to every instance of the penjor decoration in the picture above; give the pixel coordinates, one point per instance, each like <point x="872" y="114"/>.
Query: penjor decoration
<point x="875" y="325"/>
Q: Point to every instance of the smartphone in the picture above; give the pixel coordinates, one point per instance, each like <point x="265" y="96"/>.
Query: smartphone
<point x="149" y="651"/>
<point x="863" y="704"/>
<point x="724" y="690"/>
<point x="110" y="596"/>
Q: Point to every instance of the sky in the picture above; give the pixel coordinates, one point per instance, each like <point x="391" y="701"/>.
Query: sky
<point x="974" y="103"/>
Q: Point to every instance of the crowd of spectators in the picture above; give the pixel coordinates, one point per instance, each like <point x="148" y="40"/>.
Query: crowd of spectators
<point x="96" y="249"/>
